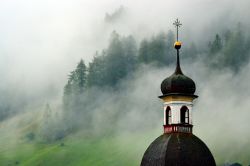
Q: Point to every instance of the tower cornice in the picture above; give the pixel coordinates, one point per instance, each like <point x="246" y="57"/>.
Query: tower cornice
<point x="177" y="95"/>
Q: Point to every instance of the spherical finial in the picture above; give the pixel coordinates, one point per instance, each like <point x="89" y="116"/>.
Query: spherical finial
<point x="177" y="45"/>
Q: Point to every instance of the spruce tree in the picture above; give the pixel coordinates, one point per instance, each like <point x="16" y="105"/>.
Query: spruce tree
<point x="80" y="76"/>
<point x="216" y="45"/>
<point x="96" y="71"/>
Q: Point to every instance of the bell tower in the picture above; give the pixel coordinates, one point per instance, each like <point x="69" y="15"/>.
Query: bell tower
<point x="178" y="146"/>
<point x="178" y="95"/>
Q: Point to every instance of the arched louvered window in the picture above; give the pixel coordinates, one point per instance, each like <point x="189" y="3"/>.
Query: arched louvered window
<point x="184" y="114"/>
<point x="168" y="115"/>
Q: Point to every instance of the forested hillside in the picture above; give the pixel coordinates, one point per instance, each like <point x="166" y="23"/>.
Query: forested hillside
<point x="124" y="57"/>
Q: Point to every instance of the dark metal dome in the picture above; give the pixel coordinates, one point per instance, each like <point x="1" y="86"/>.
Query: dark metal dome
<point x="178" y="149"/>
<point x="178" y="83"/>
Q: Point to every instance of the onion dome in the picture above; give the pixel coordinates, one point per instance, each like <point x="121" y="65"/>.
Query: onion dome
<point x="178" y="83"/>
<point x="178" y="149"/>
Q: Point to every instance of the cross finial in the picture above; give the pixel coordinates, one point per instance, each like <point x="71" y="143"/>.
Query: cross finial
<point x="177" y="24"/>
<point x="177" y="46"/>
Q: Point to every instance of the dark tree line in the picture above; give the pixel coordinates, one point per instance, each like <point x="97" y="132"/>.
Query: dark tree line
<point x="120" y="60"/>
<point x="158" y="50"/>
<point x="106" y="69"/>
<point x="229" y="50"/>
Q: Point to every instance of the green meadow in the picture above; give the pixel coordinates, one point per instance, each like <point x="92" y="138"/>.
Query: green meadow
<point x="77" y="149"/>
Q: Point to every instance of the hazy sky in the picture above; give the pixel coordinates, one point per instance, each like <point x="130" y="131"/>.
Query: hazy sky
<point x="42" y="40"/>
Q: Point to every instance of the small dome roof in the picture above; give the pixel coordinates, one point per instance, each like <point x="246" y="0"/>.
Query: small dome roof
<point x="178" y="149"/>
<point x="178" y="83"/>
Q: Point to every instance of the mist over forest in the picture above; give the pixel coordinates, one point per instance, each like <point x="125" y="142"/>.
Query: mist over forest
<point x="77" y="71"/>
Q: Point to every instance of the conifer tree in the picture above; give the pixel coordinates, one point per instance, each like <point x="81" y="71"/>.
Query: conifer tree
<point x="143" y="53"/>
<point x="75" y="85"/>
<point x="80" y="76"/>
<point x="96" y="71"/>
<point x="216" y="45"/>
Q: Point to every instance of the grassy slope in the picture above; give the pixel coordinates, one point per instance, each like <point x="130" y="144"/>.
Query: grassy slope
<point x="78" y="150"/>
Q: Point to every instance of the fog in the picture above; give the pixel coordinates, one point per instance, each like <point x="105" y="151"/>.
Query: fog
<point x="41" y="42"/>
<point x="220" y="116"/>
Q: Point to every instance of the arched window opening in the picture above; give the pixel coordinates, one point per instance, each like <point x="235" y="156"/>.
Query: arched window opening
<point x="184" y="115"/>
<point x="168" y="115"/>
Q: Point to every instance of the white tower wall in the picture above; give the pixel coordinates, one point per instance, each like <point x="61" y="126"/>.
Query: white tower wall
<point x="175" y="107"/>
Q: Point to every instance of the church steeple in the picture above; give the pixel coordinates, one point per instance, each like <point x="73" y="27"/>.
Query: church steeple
<point x="178" y="95"/>
<point x="178" y="146"/>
